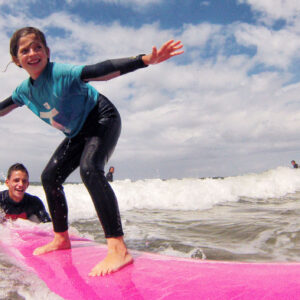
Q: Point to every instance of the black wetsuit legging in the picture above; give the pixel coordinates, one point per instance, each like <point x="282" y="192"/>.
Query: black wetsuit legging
<point x="90" y="149"/>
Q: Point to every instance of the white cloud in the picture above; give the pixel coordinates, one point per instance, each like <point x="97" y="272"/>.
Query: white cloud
<point x="198" y="35"/>
<point x="274" y="48"/>
<point x="17" y="5"/>
<point x="271" y="10"/>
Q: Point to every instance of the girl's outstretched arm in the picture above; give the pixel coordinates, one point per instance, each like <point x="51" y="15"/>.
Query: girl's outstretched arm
<point x="168" y="50"/>
<point x="112" y="68"/>
<point x="6" y="106"/>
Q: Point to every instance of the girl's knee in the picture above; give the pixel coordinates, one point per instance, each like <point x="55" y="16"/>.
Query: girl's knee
<point x="50" y="178"/>
<point x="91" y="172"/>
<point x="46" y="178"/>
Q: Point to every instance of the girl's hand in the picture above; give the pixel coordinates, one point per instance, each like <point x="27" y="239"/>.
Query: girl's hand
<point x="168" y="50"/>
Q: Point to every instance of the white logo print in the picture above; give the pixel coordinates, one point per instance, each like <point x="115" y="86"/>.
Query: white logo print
<point x="50" y="115"/>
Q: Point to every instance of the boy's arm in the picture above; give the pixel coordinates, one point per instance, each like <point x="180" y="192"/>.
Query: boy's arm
<point x="7" y="106"/>
<point x="43" y="216"/>
<point x="111" y="68"/>
<point x="38" y="208"/>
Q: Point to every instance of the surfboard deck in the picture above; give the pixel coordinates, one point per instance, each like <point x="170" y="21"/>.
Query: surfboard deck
<point x="151" y="276"/>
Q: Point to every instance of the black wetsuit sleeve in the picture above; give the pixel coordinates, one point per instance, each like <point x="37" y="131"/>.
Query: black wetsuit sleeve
<point x="2" y="207"/>
<point x="109" y="177"/>
<point x="43" y="216"/>
<point x="6" y="105"/>
<point x="40" y="211"/>
<point x="112" y="68"/>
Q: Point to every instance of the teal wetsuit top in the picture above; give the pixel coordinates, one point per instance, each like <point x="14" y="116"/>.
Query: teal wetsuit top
<point x="59" y="97"/>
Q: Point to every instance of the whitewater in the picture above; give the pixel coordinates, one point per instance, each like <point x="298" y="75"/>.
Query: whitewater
<point x="253" y="217"/>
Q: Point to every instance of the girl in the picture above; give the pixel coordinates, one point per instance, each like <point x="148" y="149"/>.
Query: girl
<point x="61" y="96"/>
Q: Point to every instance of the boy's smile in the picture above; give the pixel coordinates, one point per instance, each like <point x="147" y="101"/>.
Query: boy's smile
<point x="32" y="55"/>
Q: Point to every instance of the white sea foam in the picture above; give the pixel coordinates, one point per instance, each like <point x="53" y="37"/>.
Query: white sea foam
<point x="182" y="194"/>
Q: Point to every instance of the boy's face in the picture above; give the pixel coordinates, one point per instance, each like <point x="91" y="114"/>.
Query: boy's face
<point x="17" y="185"/>
<point x="32" y="55"/>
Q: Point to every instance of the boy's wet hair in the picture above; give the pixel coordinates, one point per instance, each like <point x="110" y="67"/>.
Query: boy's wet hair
<point x="17" y="167"/>
<point x="14" y="41"/>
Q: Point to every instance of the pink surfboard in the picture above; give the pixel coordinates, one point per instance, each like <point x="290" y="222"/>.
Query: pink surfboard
<point x="151" y="276"/>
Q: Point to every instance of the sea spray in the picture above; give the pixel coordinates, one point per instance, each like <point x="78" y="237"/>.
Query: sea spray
<point x="182" y="194"/>
<point x="200" y="194"/>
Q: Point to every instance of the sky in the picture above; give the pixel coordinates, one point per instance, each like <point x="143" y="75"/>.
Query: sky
<point x="228" y="106"/>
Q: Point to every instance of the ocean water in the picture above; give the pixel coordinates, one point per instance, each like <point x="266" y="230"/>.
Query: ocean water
<point x="252" y="218"/>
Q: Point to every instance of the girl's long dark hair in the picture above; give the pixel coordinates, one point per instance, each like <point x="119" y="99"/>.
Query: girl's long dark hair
<point x="14" y="41"/>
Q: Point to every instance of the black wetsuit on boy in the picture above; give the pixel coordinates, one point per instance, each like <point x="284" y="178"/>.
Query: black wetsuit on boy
<point x="110" y="177"/>
<point x="27" y="208"/>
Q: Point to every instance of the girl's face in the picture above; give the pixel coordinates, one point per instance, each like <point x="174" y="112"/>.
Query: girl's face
<point x="32" y="55"/>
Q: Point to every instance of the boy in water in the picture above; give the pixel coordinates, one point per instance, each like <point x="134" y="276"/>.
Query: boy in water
<point x="61" y="96"/>
<point x="294" y="164"/>
<point x="16" y="203"/>
<point x="110" y="174"/>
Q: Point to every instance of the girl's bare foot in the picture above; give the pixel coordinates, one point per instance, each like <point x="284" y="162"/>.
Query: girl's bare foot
<point x="61" y="241"/>
<point x="117" y="258"/>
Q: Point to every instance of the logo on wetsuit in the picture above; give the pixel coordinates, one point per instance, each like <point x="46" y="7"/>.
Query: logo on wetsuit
<point x="50" y="115"/>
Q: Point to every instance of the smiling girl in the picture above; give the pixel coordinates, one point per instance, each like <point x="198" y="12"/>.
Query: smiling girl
<point x="60" y="95"/>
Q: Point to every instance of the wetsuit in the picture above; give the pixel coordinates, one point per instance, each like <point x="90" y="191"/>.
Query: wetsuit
<point x="110" y="177"/>
<point x="89" y="145"/>
<point x="29" y="206"/>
